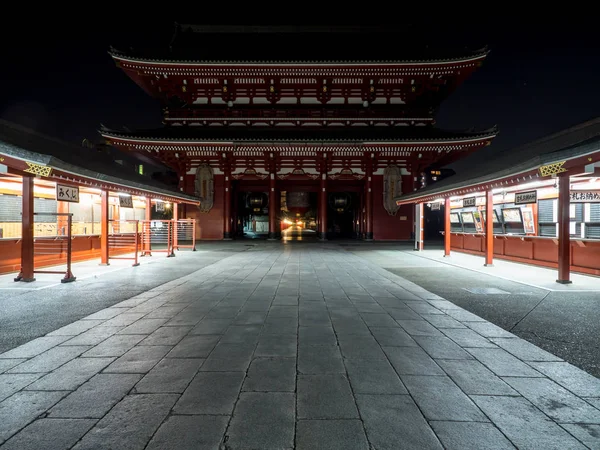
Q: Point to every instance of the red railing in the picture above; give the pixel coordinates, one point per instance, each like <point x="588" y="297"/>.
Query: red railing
<point x="185" y="231"/>
<point x="124" y="238"/>
<point x="157" y="236"/>
<point x="53" y="247"/>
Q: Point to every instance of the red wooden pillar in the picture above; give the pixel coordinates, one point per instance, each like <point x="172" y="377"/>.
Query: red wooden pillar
<point x="447" y="227"/>
<point x="145" y="228"/>
<point x="175" y="227"/>
<point x="104" y="228"/>
<point x="272" y="208"/>
<point x="26" y="273"/>
<point x="234" y="211"/>
<point x="227" y="206"/>
<point x="62" y="221"/>
<point x="323" y="207"/>
<point x="369" y="206"/>
<point x="419" y="226"/>
<point x="361" y="225"/>
<point x="564" y="236"/>
<point x="489" y="229"/>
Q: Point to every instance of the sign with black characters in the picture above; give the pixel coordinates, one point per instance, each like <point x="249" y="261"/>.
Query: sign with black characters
<point x="469" y="202"/>
<point x="66" y="193"/>
<point x="125" y="201"/>
<point x="525" y="198"/>
<point x="585" y="196"/>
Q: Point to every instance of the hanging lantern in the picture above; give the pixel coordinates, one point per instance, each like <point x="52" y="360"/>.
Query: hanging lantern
<point x="340" y="202"/>
<point x="257" y="201"/>
<point x="298" y="203"/>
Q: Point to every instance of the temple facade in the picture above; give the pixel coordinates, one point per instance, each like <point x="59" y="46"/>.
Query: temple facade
<point x="309" y="128"/>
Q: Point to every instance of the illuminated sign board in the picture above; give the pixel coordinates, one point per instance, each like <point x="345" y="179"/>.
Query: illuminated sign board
<point x="524" y="198"/>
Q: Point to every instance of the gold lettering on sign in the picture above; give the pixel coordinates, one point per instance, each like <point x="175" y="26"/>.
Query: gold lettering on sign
<point x="552" y="169"/>
<point x="37" y="169"/>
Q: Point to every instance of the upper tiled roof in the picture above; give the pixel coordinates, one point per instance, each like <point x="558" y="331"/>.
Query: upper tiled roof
<point x="300" y="134"/>
<point x="298" y="44"/>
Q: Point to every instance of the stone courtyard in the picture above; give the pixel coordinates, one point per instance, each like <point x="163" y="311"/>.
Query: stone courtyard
<point x="290" y="347"/>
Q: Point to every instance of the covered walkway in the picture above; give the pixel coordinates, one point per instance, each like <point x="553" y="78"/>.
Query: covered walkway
<point x="303" y="346"/>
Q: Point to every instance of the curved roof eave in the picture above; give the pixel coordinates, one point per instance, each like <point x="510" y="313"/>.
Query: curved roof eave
<point x="485" y="134"/>
<point x="123" y="56"/>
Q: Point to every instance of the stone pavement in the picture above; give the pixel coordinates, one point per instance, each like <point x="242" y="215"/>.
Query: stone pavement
<point x="291" y="346"/>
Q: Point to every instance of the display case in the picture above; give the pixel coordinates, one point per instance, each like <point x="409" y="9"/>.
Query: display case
<point x="498" y="227"/>
<point x="455" y="223"/>
<point x="468" y="221"/>
<point x="513" y="220"/>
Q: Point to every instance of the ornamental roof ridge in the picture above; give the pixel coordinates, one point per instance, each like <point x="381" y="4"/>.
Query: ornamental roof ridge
<point x="162" y="134"/>
<point x="120" y="54"/>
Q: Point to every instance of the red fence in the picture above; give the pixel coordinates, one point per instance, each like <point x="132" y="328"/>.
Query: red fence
<point x="185" y="231"/>
<point x="124" y="238"/>
<point x="157" y="236"/>
<point x="56" y="247"/>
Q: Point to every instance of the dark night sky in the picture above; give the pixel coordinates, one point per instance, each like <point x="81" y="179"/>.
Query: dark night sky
<point x="538" y="79"/>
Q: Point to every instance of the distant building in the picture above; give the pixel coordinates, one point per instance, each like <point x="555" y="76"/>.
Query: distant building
<point x="341" y="114"/>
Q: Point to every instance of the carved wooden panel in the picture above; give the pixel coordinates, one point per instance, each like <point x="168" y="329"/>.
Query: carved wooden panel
<point x="392" y="187"/>
<point x="204" y="187"/>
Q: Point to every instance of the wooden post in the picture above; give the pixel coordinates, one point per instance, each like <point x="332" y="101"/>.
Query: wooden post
<point x="146" y="235"/>
<point x="419" y="232"/>
<point x="148" y="212"/>
<point x="369" y="206"/>
<point x="62" y="221"/>
<point x="447" y="227"/>
<point x="26" y="273"/>
<point x="564" y="235"/>
<point x="489" y="229"/>
<point x="227" y="205"/>
<point x="104" y="228"/>
<point x="323" y="207"/>
<point x="272" y="208"/>
<point x="175" y="227"/>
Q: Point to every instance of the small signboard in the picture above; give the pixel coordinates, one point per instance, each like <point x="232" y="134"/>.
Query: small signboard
<point x="160" y="206"/>
<point x="478" y="223"/>
<point x="470" y="201"/>
<point x="528" y="222"/>
<point x="66" y="193"/>
<point x="585" y="196"/>
<point x="436" y="206"/>
<point x="525" y="198"/>
<point x="125" y="201"/>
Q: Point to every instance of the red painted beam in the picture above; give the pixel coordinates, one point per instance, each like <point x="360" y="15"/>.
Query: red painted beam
<point x="564" y="236"/>
<point x="272" y="207"/>
<point x="323" y="207"/>
<point x="369" y="205"/>
<point x="27" y="268"/>
<point x="489" y="229"/>
<point x="447" y="226"/>
<point x="104" y="228"/>
<point x="227" y="206"/>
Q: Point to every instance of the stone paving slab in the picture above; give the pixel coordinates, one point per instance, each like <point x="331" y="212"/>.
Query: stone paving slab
<point x="302" y="347"/>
